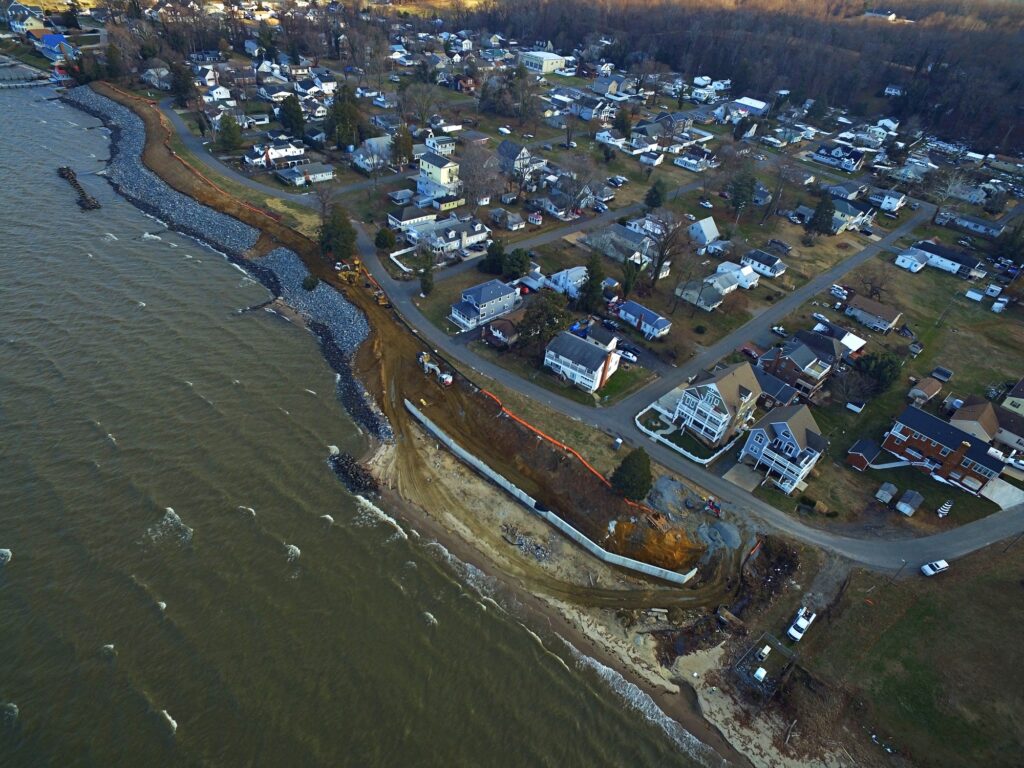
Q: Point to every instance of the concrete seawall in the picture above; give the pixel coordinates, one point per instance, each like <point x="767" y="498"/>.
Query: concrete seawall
<point x="538" y="509"/>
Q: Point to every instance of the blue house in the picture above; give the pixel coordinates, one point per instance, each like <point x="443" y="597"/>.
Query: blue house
<point x="57" y="49"/>
<point x="647" y="321"/>
<point x="482" y="303"/>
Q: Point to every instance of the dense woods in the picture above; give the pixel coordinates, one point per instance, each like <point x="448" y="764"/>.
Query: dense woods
<point x="961" y="62"/>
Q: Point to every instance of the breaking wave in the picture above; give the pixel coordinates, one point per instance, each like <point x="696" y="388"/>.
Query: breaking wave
<point x="372" y="513"/>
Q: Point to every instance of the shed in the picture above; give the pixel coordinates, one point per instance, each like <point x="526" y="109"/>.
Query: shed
<point x="886" y="493"/>
<point x="925" y="389"/>
<point x="909" y="502"/>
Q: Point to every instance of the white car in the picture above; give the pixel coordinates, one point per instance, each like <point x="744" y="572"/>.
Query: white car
<point x="689" y="217"/>
<point x="625" y="354"/>
<point x="804" y="619"/>
<point x="938" y="566"/>
<point x="705" y="204"/>
<point x="504" y="131"/>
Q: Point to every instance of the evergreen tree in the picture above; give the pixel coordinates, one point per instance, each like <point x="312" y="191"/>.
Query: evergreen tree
<point x="230" y="136"/>
<point x="741" y="192"/>
<point x="385" y="239"/>
<point x="631" y="270"/>
<point x="183" y="86"/>
<point x="655" y="197"/>
<point x="515" y="264"/>
<point x="632" y="478"/>
<point x="291" y="116"/>
<point x="401" y="146"/>
<point x="115" y="62"/>
<point x="821" y="221"/>
<point x="545" y="316"/>
<point x="623" y="123"/>
<point x="337" y="237"/>
<point x="591" y="296"/>
<point x="494" y="262"/>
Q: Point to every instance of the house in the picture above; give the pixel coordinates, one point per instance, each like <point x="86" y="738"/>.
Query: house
<point x="911" y="261"/>
<point x="797" y="364"/>
<point x="568" y="281"/>
<point x="438" y="177"/>
<point x="652" y="158"/>
<point x="482" y="303"/>
<point x="1014" y="400"/>
<point x="410" y="216"/>
<point x="253" y="48"/>
<point x="507" y="219"/>
<point x="585" y="362"/>
<point x="445" y="237"/>
<point x="313" y="173"/>
<point x="744" y="275"/>
<point x="610" y="137"/>
<point x="786" y="443"/>
<point x="217" y="93"/>
<point x="971" y="224"/>
<point x="1011" y="430"/>
<point x="704" y="294"/>
<point x="851" y="214"/>
<point x="704" y="231"/>
<point x="649" y="323"/>
<point x="718" y="404"/>
<point x="206" y="76"/>
<point x="847" y="190"/>
<point x="284" y="153"/>
<point x="952" y="260"/>
<point x="501" y="333"/>
<point x="442" y="146"/>
<point x="874" y="314"/>
<point x="839" y="156"/>
<point x="541" y="62"/>
<point x="513" y="158"/>
<point x="924" y="390"/>
<point x="373" y="154"/>
<point x="978" y="419"/>
<point x="620" y="243"/>
<point x="763" y="263"/>
<point x="864" y="454"/>
<point x="157" y="77"/>
<point x="888" y="200"/>
<point x="774" y="391"/>
<point x="948" y="454"/>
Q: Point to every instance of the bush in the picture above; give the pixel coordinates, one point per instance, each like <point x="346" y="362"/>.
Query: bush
<point x="310" y="282"/>
<point x="700" y="330"/>
<point x="632" y="478"/>
<point x="385" y="239"/>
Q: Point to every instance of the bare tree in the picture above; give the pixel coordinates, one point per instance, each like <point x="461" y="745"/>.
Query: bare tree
<point x="325" y="196"/>
<point x="420" y="100"/>
<point x="943" y="186"/>
<point x="480" y="174"/>
<point x="670" y="241"/>
<point x="873" y="281"/>
<point x="572" y="123"/>
<point x="579" y="179"/>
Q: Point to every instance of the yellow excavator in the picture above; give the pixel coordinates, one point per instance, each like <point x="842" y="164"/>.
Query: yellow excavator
<point x="430" y="367"/>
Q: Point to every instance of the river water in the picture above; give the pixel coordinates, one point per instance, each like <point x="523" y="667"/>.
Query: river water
<point x="176" y="596"/>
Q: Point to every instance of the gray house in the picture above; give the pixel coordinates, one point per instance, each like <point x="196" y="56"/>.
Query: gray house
<point x="786" y="444"/>
<point x="514" y="159"/>
<point x="482" y="303"/>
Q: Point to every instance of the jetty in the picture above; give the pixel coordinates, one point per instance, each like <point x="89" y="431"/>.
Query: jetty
<point x="85" y="201"/>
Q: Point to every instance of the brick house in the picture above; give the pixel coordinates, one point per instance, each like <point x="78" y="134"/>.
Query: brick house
<point x="947" y="453"/>
<point x="797" y="364"/>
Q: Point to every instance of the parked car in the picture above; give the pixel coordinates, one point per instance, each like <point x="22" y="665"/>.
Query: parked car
<point x="622" y="180"/>
<point x="867" y="231"/>
<point x="705" y="204"/>
<point x="779" y="331"/>
<point x="914" y="206"/>
<point x="611" y="325"/>
<point x="724" y="194"/>
<point x="966" y="242"/>
<point x="802" y="622"/>
<point x="504" y="131"/>
<point x="547" y="147"/>
<point x="750" y="353"/>
<point x="625" y="354"/>
<point x="600" y="207"/>
<point x="937" y="566"/>
<point x="689" y="217"/>
<point x="613" y="181"/>
<point x="527" y="135"/>
<point x="629" y="348"/>
<point x="820" y="318"/>
<point x="569" y="145"/>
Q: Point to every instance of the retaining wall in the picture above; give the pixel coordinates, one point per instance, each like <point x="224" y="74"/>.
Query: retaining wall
<point x="538" y="509"/>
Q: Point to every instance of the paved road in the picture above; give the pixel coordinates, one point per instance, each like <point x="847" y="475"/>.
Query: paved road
<point x="876" y="553"/>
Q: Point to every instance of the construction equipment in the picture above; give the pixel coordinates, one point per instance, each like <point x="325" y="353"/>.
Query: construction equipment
<point x="382" y="299"/>
<point x="429" y="366"/>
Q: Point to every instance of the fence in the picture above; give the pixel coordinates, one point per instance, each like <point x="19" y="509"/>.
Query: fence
<point x="538" y="509"/>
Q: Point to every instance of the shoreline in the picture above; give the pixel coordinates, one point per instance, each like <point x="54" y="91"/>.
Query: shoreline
<point x="672" y="704"/>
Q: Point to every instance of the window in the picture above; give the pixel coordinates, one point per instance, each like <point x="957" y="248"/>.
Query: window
<point x="944" y="452"/>
<point x="758" y="438"/>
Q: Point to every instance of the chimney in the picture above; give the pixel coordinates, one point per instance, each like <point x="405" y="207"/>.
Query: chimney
<point x="951" y="462"/>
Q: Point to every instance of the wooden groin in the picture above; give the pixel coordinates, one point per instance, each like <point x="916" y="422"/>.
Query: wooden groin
<point x="85" y="201"/>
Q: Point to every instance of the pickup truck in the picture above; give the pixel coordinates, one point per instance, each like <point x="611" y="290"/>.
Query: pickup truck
<point x="804" y="618"/>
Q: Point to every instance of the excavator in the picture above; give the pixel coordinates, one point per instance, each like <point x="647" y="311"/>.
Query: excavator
<point x="430" y="367"/>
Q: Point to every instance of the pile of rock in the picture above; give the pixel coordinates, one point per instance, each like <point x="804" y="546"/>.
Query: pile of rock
<point x="354" y="475"/>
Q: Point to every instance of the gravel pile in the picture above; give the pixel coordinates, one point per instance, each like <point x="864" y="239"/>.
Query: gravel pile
<point x="132" y="179"/>
<point x="339" y="326"/>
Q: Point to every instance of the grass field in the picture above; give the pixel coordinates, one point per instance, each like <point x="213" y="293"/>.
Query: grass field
<point x="931" y="659"/>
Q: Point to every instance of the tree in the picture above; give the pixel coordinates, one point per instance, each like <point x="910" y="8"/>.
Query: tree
<point x="515" y="264"/>
<point x="545" y="316"/>
<point x="741" y="192"/>
<point x="183" y="87"/>
<point x="670" y="243"/>
<point x="578" y="180"/>
<point x="852" y="386"/>
<point x="655" y="197"/>
<point x="873" y="280"/>
<point x="229" y="137"/>
<point x="631" y="270"/>
<point x="480" y="174"/>
<point x="623" y="123"/>
<point x="337" y="237"/>
<point x="1011" y="245"/>
<point x="343" y="119"/>
<point x="115" y="62"/>
<point x="419" y="100"/>
<point x="69" y="18"/>
<point x="401" y="146"/>
<point x="385" y="239"/>
<point x="882" y="368"/>
<point x="824" y="212"/>
<point x="633" y="478"/>
<point x="291" y="116"/>
<point x="591" y="296"/>
<point x="494" y="262"/>
<point x="944" y="185"/>
<point x="572" y="124"/>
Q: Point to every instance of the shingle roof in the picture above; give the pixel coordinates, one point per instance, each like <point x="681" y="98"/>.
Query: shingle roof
<point x="801" y="424"/>
<point x="579" y="351"/>
<point x="945" y="252"/>
<point x="876" y="308"/>
<point x="761" y="257"/>
<point x="949" y="436"/>
<point x="983" y="413"/>
<point x="733" y="383"/>
<point x="489" y="291"/>
<point x="436" y="160"/>
<point x="645" y="315"/>
<point x="774" y="387"/>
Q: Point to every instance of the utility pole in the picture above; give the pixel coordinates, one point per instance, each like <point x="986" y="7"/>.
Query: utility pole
<point x="903" y="564"/>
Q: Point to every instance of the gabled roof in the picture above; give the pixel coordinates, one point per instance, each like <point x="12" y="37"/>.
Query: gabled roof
<point x="944" y="251"/>
<point x="489" y="291"/>
<point x="876" y="308"/>
<point x="774" y="387"/>
<point x="981" y="412"/>
<point x="583" y="353"/>
<point x="734" y="383"/>
<point x="434" y="159"/>
<point x="762" y="257"/>
<point x="829" y="349"/>
<point x="799" y="421"/>
<point x="645" y="315"/>
<point x="948" y="436"/>
<point x="510" y="150"/>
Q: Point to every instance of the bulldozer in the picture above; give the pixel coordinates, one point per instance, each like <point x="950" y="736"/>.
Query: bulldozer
<point x="430" y="367"/>
<point x="382" y="299"/>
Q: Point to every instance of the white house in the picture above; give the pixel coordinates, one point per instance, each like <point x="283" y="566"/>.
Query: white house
<point x="648" y="322"/>
<point x="786" y="444"/>
<point x="443" y="146"/>
<point x="888" y="200"/>
<point x="763" y="263"/>
<point x="373" y="154"/>
<point x="704" y="231"/>
<point x="585" y="362"/>
<point x="568" y="281"/>
<point x="652" y="158"/>
<point x="278" y="153"/>
<point x="745" y="275"/>
<point x="314" y="173"/>
<point x="912" y="262"/>
<point x="957" y="262"/>
<point x="718" y="404"/>
<point x="217" y="93"/>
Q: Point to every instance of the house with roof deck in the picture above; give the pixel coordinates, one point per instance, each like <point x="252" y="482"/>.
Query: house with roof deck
<point x="718" y="404"/>
<point x="797" y="364"/>
<point x="945" y="452"/>
<point x="840" y="156"/>
<point x="785" y="444"/>
<point x="482" y="303"/>
<point x="647" y="321"/>
<point x="587" y="363"/>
